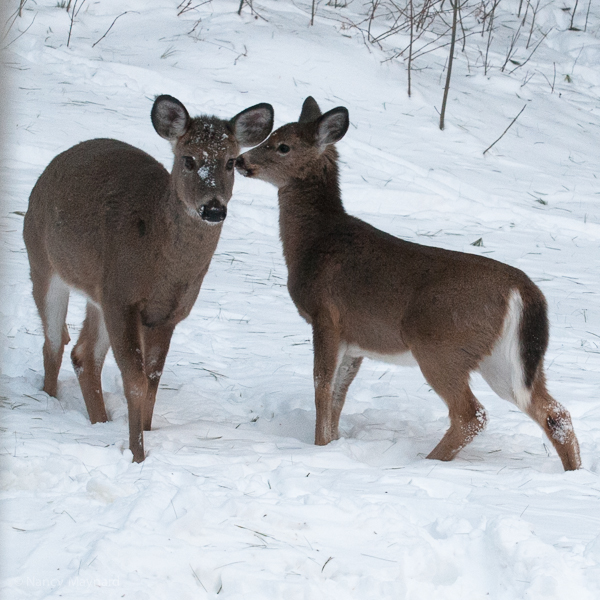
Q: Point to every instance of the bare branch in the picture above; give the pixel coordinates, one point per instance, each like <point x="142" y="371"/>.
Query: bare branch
<point x="511" y="124"/>
<point x="111" y="25"/>
<point x="454" y="4"/>
<point x="21" y="33"/>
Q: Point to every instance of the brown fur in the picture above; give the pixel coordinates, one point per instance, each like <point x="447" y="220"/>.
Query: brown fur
<point x="107" y="219"/>
<point x="361" y="287"/>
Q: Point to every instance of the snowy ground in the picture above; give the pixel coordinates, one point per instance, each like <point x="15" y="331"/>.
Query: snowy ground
<point x="233" y="499"/>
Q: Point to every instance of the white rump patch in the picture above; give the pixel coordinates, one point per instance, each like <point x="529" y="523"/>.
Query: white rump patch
<point x="503" y="368"/>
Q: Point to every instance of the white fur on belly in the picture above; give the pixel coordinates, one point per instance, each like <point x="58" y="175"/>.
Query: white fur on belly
<point x="405" y="359"/>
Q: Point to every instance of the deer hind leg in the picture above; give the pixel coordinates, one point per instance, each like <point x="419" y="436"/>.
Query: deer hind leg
<point x="503" y="372"/>
<point x="156" y="345"/>
<point x="123" y="324"/>
<point x="549" y="414"/>
<point x="51" y="295"/>
<point x="88" y="357"/>
<point x="555" y="420"/>
<point x="467" y="415"/>
<point x="345" y="374"/>
<point x="326" y="343"/>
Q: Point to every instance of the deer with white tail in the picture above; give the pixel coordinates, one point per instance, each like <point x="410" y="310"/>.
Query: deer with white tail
<point x="107" y="219"/>
<point x="369" y="294"/>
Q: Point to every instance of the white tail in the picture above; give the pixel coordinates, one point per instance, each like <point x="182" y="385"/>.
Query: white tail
<point x="369" y="294"/>
<point x="107" y="219"/>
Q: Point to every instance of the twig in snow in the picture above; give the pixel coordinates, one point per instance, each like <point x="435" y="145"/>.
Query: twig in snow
<point x="379" y="558"/>
<point x="575" y="63"/>
<point x="462" y="27"/>
<point x="198" y="579"/>
<point x="548" y="81"/>
<point x="20" y="34"/>
<point x="527" y="79"/>
<point x="571" y="27"/>
<point x="74" y="13"/>
<point x="71" y="26"/>
<point x="64" y="512"/>
<point x="532" y="53"/>
<point x="587" y="15"/>
<point x="326" y="563"/>
<point x="534" y="15"/>
<point x="504" y="133"/>
<point x="489" y="40"/>
<point x="244" y="53"/>
<point x="374" y="6"/>
<point x="252" y="11"/>
<point x="32" y="397"/>
<point x="511" y="47"/>
<point x="14" y="16"/>
<point x="168" y="52"/>
<point x="111" y="25"/>
<point x="454" y="4"/>
<point x="526" y="13"/>
<point x="255" y="532"/>
<point x="186" y="6"/>
<point x="410" y="51"/>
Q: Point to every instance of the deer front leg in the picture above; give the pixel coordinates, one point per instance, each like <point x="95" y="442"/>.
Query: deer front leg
<point x="346" y="372"/>
<point x="156" y="345"/>
<point x="51" y="296"/>
<point x="326" y="343"/>
<point x="123" y="324"/>
<point x="88" y="357"/>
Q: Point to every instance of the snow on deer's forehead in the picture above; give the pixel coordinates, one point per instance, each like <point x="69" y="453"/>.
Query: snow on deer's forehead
<point x="212" y="135"/>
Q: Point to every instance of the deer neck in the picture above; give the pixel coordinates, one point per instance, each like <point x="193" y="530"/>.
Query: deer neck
<point x="309" y="207"/>
<point x="185" y="234"/>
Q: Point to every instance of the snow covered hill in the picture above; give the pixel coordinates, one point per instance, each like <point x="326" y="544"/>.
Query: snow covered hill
<point x="234" y="500"/>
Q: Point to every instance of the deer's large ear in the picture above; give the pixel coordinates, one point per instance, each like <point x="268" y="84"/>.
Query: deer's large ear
<point x="169" y="117"/>
<point x="332" y="126"/>
<point x="253" y="125"/>
<point x="310" y="111"/>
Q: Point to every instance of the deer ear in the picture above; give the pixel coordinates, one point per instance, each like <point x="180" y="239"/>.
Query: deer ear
<point x="253" y="125"/>
<point x="169" y="117"/>
<point x="332" y="126"/>
<point x="310" y="111"/>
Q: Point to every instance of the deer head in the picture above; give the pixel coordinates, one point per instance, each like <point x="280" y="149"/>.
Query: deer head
<point x="205" y="150"/>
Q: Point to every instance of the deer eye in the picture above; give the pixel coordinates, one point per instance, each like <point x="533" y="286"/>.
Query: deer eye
<point x="283" y="148"/>
<point x="189" y="164"/>
<point x="230" y="163"/>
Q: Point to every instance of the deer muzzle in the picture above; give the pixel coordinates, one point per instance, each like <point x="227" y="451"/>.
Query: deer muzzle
<point x="213" y="212"/>
<point x="242" y="167"/>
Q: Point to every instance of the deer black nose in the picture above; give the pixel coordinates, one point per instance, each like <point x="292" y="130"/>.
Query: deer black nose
<point x="242" y="167"/>
<point x="213" y="212"/>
